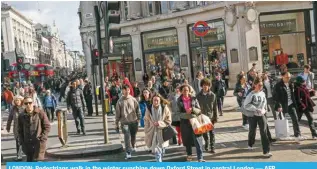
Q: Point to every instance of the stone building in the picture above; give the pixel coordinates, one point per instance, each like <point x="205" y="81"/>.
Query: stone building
<point x="159" y="35"/>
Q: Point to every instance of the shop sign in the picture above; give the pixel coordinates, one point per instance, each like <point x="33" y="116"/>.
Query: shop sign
<point x="201" y="28"/>
<point x="278" y="26"/>
<point x="164" y="41"/>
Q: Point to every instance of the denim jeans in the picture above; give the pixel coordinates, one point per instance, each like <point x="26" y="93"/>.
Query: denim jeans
<point x="198" y="144"/>
<point x="78" y="115"/>
<point x="129" y="131"/>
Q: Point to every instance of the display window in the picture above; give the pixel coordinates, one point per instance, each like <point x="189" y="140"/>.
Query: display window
<point x="161" y="55"/>
<point x="283" y="41"/>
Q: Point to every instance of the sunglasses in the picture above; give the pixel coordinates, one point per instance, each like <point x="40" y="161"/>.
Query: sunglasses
<point x="28" y="103"/>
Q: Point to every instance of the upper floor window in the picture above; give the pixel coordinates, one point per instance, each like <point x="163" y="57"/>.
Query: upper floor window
<point x="164" y="7"/>
<point x="150" y="3"/>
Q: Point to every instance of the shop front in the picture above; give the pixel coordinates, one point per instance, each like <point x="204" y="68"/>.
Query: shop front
<point x="215" y="44"/>
<point x="121" y="60"/>
<point x="285" y="40"/>
<point x="161" y="54"/>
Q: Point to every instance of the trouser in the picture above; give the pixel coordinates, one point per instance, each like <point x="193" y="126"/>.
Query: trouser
<point x="129" y="131"/>
<point x="198" y="144"/>
<point x="89" y="105"/>
<point x="244" y="117"/>
<point x="19" y="153"/>
<point x="78" y="115"/>
<point x="261" y="121"/>
<point x="269" y="135"/>
<point x="309" y="116"/>
<point x="179" y="134"/>
<point x="293" y="114"/>
<point x="270" y="107"/>
<point x="211" y="140"/>
<point x="50" y="113"/>
<point x="220" y="104"/>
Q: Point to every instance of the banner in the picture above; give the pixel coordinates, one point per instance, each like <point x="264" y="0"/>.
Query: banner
<point x="164" y="165"/>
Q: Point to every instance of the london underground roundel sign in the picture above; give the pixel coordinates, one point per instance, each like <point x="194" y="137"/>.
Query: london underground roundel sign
<point x="201" y="28"/>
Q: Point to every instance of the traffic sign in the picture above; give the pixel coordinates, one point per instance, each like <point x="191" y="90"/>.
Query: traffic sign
<point x="201" y="28"/>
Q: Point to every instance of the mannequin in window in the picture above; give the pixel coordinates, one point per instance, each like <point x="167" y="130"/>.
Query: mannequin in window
<point x="282" y="58"/>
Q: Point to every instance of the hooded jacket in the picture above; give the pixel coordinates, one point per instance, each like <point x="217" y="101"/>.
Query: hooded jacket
<point x="127" y="110"/>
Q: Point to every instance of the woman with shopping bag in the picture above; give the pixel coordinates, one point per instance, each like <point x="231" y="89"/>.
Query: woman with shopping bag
<point x="305" y="104"/>
<point x="255" y="106"/>
<point x="189" y="109"/>
<point x="13" y="116"/>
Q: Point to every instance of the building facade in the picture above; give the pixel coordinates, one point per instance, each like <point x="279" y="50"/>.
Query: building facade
<point x="16" y="29"/>
<point x="159" y="36"/>
<point x="44" y="53"/>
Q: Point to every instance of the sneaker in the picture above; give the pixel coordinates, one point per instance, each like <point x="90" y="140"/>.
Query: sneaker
<point x="133" y="149"/>
<point x="272" y="140"/>
<point x="299" y="138"/>
<point x="128" y="156"/>
<point x="212" y="151"/>
<point x="267" y="155"/>
<point x="84" y="133"/>
<point x="314" y="137"/>
<point x="250" y="148"/>
<point x="201" y="160"/>
<point x="246" y="126"/>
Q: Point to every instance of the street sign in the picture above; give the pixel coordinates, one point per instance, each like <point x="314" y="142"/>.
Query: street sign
<point x="202" y="50"/>
<point x="201" y="28"/>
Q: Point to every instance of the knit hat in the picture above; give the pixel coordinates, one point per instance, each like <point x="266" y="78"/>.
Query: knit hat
<point x="300" y="79"/>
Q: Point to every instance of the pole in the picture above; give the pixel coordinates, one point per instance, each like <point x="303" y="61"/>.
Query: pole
<point x="202" y="54"/>
<point x="102" y="87"/>
<point x="124" y="73"/>
<point x="16" y="58"/>
<point x="315" y="20"/>
<point x="93" y="79"/>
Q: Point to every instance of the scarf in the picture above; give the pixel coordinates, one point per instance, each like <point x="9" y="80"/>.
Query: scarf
<point x="156" y="115"/>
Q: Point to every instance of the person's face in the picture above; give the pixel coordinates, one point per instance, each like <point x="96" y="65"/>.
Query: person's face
<point x="218" y="77"/>
<point x="243" y="80"/>
<point x="74" y="85"/>
<point x="259" y="86"/>
<point x="156" y="101"/>
<point x="146" y="94"/>
<point x="286" y="77"/>
<point x="306" y="70"/>
<point x="28" y="104"/>
<point x="18" y="102"/>
<point x="178" y="91"/>
<point x="206" y="88"/>
<point x="185" y="91"/>
<point x="166" y="83"/>
<point x="126" y="92"/>
<point x="150" y="84"/>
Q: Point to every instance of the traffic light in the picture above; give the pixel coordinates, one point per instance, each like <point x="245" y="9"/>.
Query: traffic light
<point x="113" y="9"/>
<point x="95" y="57"/>
<point x="20" y="62"/>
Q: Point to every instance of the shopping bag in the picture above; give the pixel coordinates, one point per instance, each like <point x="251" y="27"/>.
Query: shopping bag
<point x="201" y="124"/>
<point x="281" y="126"/>
<point x="168" y="133"/>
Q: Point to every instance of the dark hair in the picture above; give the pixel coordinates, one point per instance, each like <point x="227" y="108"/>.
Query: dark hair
<point x="205" y="81"/>
<point x="125" y="87"/>
<point x="217" y="74"/>
<point x="240" y="77"/>
<point x="284" y="73"/>
<point x="307" y="67"/>
<point x="146" y="89"/>
<point x="256" y="81"/>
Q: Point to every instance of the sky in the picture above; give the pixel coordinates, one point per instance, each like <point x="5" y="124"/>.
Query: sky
<point x="63" y="12"/>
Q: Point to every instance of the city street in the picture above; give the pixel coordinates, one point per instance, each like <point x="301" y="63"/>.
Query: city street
<point x="231" y="142"/>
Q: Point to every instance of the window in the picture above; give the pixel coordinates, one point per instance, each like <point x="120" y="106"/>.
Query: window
<point x="158" y="7"/>
<point x="312" y="23"/>
<point x="150" y="7"/>
<point x="171" y="4"/>
<point x="164" y="7"/>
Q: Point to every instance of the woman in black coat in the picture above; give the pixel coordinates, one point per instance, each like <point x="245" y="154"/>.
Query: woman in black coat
<point x="189" y="108"/>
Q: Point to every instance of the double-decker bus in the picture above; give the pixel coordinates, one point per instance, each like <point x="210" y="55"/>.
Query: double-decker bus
<point x="42" y="72"/>
<point x="24" y="74"/>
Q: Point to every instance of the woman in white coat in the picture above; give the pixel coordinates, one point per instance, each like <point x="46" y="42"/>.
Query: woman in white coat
<point x="157" y="117"/>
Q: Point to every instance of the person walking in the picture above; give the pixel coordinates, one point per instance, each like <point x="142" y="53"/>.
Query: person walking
<point x="176" y="115"/>
<point x="88" y="97"/>
<point x="16" y="110"/>
<point x="115" y="92"/>
<point x="144" y="103"/>
<point x="305" y="104"/>
<point x="128" y="114"/>
<point x="157" y="117"/>
<point x="76" y="102"/>
<point x="50" y="104"/>
<point x="255" y="108"/>
<point x="164" y="90"/>
<point x="208" y="104"/>
<point x="285" y="102"/>
<point x="308" y="76"/>
<point x="219" y="88"/>
<point x="196" y="82"/>
<point x="268" y="90"/>
<point x="136" y="91"/>
<point x="33" y="130"/>
<point x="189" y="108"/>
<point x="8" y="97"/>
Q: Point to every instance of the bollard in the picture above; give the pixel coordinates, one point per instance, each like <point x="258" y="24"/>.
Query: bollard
<point x="107" y="105"/>
<point x="62" y="126"/>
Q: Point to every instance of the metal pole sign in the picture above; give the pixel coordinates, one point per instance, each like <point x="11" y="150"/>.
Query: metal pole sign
<point x="201" y="28"/>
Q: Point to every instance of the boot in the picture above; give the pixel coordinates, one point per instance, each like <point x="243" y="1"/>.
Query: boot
<point x="78" y="131"/>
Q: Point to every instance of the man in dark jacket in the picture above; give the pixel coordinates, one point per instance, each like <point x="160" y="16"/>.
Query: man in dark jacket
<point x="33" y="130"/>
<point x="75" y="101"/>
<point x="164" y="90"/>
<point x="219" y="88"/>
<point x="88" y="97"/>
<point x="208" y="104"/>
<point x="285" y="101"/>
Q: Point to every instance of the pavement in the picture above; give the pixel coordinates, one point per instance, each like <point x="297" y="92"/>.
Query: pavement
<point x="231" y="142"/>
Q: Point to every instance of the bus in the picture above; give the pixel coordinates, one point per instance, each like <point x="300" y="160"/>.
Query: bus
<point x="43" y="72"/>
<point x="24" y="74"/>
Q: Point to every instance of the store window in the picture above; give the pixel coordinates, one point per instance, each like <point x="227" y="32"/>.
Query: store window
<point x="312" y="23"/>
<point x="215" y="58"/>
<point x="283" y="41"/>
<point x="161" y="53"/>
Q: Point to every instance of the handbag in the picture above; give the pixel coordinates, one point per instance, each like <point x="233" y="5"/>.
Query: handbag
<point x="281" y="126"/>
<point x="201" y="124"/>
<point x="168" y="133"/>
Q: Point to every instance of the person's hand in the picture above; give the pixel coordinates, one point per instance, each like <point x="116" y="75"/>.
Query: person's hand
<point x="117" y="129"/>
<point x="280" y="109"/>
<point x="240" y="94"/>
<point x="156" y="124"/>
<point x="189" y="111"/>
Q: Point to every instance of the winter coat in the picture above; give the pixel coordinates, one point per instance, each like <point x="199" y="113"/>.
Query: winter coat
<point x="13" y="116"/>
<point x="208" y="105"/>
<point x="303" y="100"/>
<point x="75" y="99"/>
<point x="127" y="110"/>
<point x="8" y="96"/>
<point x="196" y="86"/>
<point x="137" y="91"/>
<point x="219" y="88"/>
<point x="87" y="91"/>
<point x="175" y="111"/>
<point x="164" y="92"/>
<point x="115" y="94"/>
<point x="33" y="132"/>
<point x="238" y="89"/>
<point x="149" y="127"/>
<point x="53" y="99"/>
<point x="280" y="96"/>
<point x="143" y="105"/>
